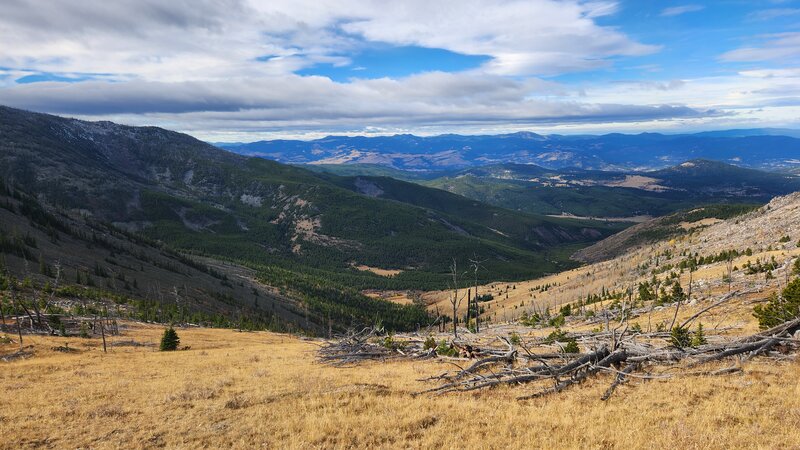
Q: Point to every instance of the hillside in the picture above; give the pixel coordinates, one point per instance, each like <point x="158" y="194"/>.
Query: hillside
<point x="593" y="193"/>
<point x="173" y="188"/>
<point x="762" y="241"/>
<point x="753" y="148"/>
<point x="659" y="229"/>
<point x="306" y="234"/>
<point x="87" y="260"/>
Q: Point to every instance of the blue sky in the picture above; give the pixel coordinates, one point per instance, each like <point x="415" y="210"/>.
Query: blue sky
<point x="383" y="60"/>
<point x="245" y="70"/>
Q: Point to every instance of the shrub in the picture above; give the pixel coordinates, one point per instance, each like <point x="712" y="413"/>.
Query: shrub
<point x="680" y="337"/>
<point x="429" y="343"/>
<point x="636" y="328"/>
<point x="514" y="338"/>
<point x="556" y="321"/>
<point x="531" y="320"/>
<point x="169" y="341"/>
<point x="445" y="350"/>
<point x="571" y="347"/>
<point x="484" y="298"/>
<point x="391" y="343"/>
<point x="780" y="308"/>
<point x="556" y="335"/>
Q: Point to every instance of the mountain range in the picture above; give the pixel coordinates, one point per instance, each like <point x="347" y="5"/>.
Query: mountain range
<point x="758" y="148"/>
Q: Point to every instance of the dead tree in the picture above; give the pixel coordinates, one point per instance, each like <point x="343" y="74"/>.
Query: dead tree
<point x="730" y="270"/>
<point x="623" y="357"/>
<point x="476" y="264"/>
<point x="12" y="288"/>
<point x="178" y="303"/>
<point x="678" y="305"/>
<point x="455" y="297"/>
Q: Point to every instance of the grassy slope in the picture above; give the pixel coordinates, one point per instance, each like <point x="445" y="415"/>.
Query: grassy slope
<point x="657" y="229"/>
<point x="245" y="390"/>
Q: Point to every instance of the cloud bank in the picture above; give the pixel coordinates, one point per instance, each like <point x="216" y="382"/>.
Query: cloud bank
<point x="229" y="68"/>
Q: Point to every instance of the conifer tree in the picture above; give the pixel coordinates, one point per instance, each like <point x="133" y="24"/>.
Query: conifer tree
<point x="169" y="341"/>
<point x="699" y="337"/>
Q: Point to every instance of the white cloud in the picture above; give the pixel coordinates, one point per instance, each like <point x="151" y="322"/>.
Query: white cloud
<point x="182" y="39"/>
<point x="773" y="13"/>
<point x="678" y="10"/>
<point x="777" y="47"/>
<point x="310" y="102"/>
<point x="226" y="68"/>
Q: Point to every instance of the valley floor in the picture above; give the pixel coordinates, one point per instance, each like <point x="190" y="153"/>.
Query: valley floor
<point x="250" y="390"/>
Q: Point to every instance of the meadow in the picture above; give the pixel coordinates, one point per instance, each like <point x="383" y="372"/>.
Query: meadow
<point x="265" y="390"/>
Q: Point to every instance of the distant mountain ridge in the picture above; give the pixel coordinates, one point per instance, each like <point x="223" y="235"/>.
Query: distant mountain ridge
<point x="595" y="193"/>
<point x="758" y="148"/>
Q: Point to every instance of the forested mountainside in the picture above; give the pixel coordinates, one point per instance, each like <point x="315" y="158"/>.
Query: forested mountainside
<point x="316" y="237"/>
<point x="595" y="193"/>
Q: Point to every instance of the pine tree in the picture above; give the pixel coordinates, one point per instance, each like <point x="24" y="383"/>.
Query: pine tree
<point x="84" y="332"/>
<point x="699" y="337"/>
<point x="780" y="308"/>
<point x="170" y="340"/>
<point x="679" y="337"/>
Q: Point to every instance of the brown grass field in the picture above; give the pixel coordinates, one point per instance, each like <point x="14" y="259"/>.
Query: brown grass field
<point x="265" y="390"/>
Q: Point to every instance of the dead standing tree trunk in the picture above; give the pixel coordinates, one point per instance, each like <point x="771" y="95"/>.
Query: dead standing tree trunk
<point x="688" y="298"/>
<point x="476" y="264"/>
<point x="16" y="313"/>
<point x="455" y="299"/>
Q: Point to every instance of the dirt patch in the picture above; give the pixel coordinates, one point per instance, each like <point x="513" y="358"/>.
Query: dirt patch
<point x="378" y="270"/>
<point x="700" y="223"/>
<point x="639" y="182"/>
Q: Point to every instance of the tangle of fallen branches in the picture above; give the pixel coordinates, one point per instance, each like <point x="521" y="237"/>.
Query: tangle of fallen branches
<point x="622" y="355"/>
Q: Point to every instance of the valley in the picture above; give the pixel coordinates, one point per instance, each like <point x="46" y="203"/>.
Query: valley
<point x="346" y="290"/>
<point x="252" y="384"/>
<point x="538" y="224"/>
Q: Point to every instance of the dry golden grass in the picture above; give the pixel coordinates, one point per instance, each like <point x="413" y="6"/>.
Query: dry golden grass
<point x="246" y="390"/>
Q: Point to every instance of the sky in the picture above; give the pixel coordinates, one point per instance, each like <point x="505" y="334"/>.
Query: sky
<point x="246" y="70"/>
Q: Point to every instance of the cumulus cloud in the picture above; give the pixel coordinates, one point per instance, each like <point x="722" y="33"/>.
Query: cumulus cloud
<point x="229" y="67"/>
<point x="183" y="39"/>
